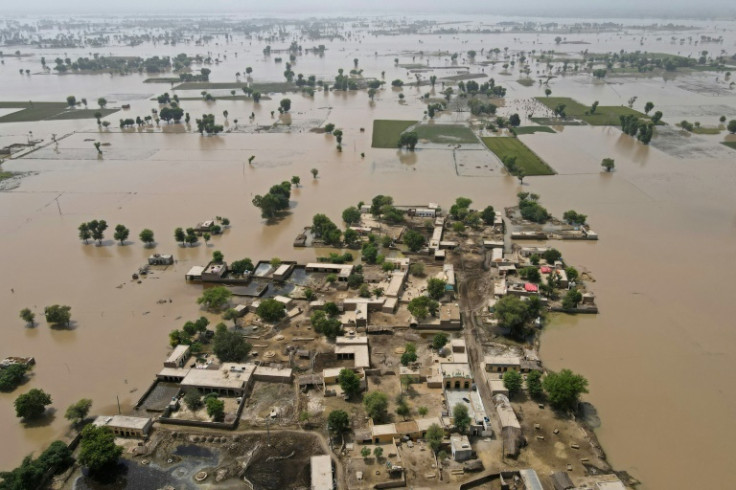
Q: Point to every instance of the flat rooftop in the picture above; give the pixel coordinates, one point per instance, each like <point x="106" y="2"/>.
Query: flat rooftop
<point x="456" y="369"/>
<point x="122" y="422"/>
<point x="321" y="472"/>
<point x="230" y="376"/>
<point x="179" y="351"/>
<point x="475" y="406"/>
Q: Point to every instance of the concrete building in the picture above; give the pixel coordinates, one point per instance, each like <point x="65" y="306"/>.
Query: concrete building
<point x="561" y="481"/>
<point x="125" y="426"/>
<point x="272" y="374"/>
<point x="383" y="433"/>
<point x="530" y="479"/>
<point x="214" y="271"/>
<point x="400" y="263"/>
<point x="422" y="212"/>
<point x="194" y="273"/>
<point x="355" y="349"/>
<point x="460" y="446"/>
<point x="287" y="302"/>
<point x="178" y="358"/>
<point x="498" y="387"/>
<point x="396" y="284"/>
<point x="343" y="271"/>
<point x="283" y="271"/>
<point x="230" y="379"/>
<point x="456" y="375"/>
<point x="493" y="244"/>
<point x="389" y="305"/>
<point x="501" y="364"/>
<point x="321" y="473"/>
<point x="510" y="427"/>
<point x="457" y="345"/>
<point x="450" y="317"/>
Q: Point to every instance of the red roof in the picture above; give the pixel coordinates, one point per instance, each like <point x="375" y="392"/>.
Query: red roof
<point x="545" y="270"/>
<point x="532" y="288"/>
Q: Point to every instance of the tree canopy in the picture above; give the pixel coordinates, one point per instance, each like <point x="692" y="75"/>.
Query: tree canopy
<point x="58" y="314"/>
<point x="460" y="417"/>
<point x="349" y="382"/>
<point x="271" y="310"/>
<point x="275" y="201"/>
<point x="338" y="421"/>
<point x="436" y="288"/>
<point x="78" y="411"/>
<point x="423" y="306"/>
<point x="414" y="240"/>
<point x="376" y="406"/>
<point x="229" y="346"/>
<point x="32" y="405"/>
<point x="512" y="381"/>
<point x="564" y="388"/>
<point x="434" y="436"/>
<point x="215" y="298"/>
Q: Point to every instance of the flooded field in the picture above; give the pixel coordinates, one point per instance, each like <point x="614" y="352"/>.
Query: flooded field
<point x="657" y="357"/>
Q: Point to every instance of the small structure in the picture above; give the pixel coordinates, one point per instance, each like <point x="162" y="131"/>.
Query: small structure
<point x="178" y="358"/>
<point x="283" y="271"/>
<point x="460" y="446"/>
<point x="214" y="271"/>
<point x="160" y="259"/>
<point x="530" y="479"/>
<point x="355" y="349"/>
<point x="125" y="426"/>
<point x="396" y="284"/>
<point x="561" y="481"/>
<point x="321" y="472"/>
<point x="501" y="364"/>
<point x="9" y="361"/>
<point x="287" y="302"/>
<point x="343" y="271"/>
<point x="204" y="226"/>
<point x="457" y="345"/>
<point x="272" y="374"/>
<point x="422" y="212"/>
<point x="456" y="375"/>
<point x="230" y="379"/>
<point x="498" y="387"/>
<point x="450" y="317"/>
<point x="493" y="244"/>
<point x="195" y="273"/>
<point x="389" y="305"/>
<point x="510" y="427"/>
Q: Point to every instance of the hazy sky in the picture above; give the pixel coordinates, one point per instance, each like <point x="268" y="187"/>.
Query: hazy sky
<point x="664" y="8"/>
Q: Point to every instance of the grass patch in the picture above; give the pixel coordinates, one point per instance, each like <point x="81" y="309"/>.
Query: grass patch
<point x="45" y="111"/>
<point x="464" y="76"/>
<point x="730" y="144"/>
<point x="260" y="87"/>
<point x="704" y="130"/>
<point x="386" y="132"/>
<point x="412" y="66"/>
<point x="527" y="82"/>
<point x="604" y="115"/>
<point x="533" y="129"/>
<point x="526" y="159"/>
<point x="6" y="175"/>
<point x="446" y="133"/>
<point x="551" y="121"/>
<point x="162" y="80"/>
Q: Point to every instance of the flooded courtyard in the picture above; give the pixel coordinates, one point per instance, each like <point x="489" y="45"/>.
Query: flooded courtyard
<point x="657" y="357"/>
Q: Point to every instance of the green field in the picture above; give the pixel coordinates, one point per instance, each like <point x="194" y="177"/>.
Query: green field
<point x="533" y="129"/>
<point x="706" y="130"/>
<point x="551" y="121"/>
<point x="259" y="87"/>
<point x="45" y="111"/>
<point x="604" y="115"/>
<point x="730" y="144"/>
<point x="386" y="132"/>
<point x="527" y="82"/>
<point x="162" y="80"/>
<point x="526" y="159"/>
<point x="446" y="133"/>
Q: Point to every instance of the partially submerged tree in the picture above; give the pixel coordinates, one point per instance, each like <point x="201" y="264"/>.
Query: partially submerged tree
<point x="28" y="316"/>
<point x="77" y="412"/>
<point x="32" y="405"/>
<point x="214" y="298"/>
<point x="58" y="314"/>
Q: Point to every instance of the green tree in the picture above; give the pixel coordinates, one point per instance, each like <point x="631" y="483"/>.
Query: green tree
<point x="564" y="388"/>
<point x="376" y="406"/>
<point x="572" y="273"/>
<point x="409" y="355"/>
<point x="416" y="269"/>
<point x="240" y="266"/>
<point x="215" y="409"/>
<point x="378" y="452"/>
<point x="439" y="341"/>
<point x="422" y="306"/>
<point x="408" y="139"/>
<point x="193" y="400"/>
<point x="534" y="384"/>
<point x="648" y="107"/>
<point x="98" y="450"/>
<point x="102" y="102"/>
<point x="608" y="164"/>
<point x="512" y="381"/>
<point x="217" y="257"/>
<point x="434" y="436"/>
<point x="12" y="376"/>
<point x="512" y="313"/>
<point x="436" y="288"/>
<point x="329" y="127"/>
<point x="32" y="473"/>
<point x="146" y="237"/>
<point x="295" y="180"/>
<point x="422" y="411"/>
<point x="314" y="172"/>
<point x="365" y="452"/>
<point x="460" y="417"/>
<point x="338" y="422"/>
<point x="414" y="240"/>
<point x="551" y="255"/>
<point x="97" y="229"/>
<point x="572" y="299"/>
<point x="349" y="382"/>
<point x="229" y="346"/>
<point x="271" y="310"/>
<point x="32" y="405"/>
<point x="488" y="215"/>
<point x="27" y="316"/>
<point x="71" y="101"/>
<point x="231" y="314"/>
<point x="731" y="126"/>
<point x="594" y="107"/>
<point x="214" y="298"/>
<point x="547" y="92"/>
<point x="121" y="234"/>
<point x="180" y="236"/>
<point x="58" y="314"/>
<point x="84" y="232"/>
<point x="514" y="120"/>
<point x="191" y="237"/>
<point x="351" y="215"/>
<point x="285" y="105"/>
<point x="78" y="411"/>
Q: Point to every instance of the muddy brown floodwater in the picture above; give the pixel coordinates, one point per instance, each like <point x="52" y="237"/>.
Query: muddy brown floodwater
<point x="658" y="357"/>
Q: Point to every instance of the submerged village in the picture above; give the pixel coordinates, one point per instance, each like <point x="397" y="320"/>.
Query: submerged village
<point x="368" y="310"/>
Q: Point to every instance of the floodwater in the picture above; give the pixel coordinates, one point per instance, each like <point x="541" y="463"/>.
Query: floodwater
<point x="657" y="357"/>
